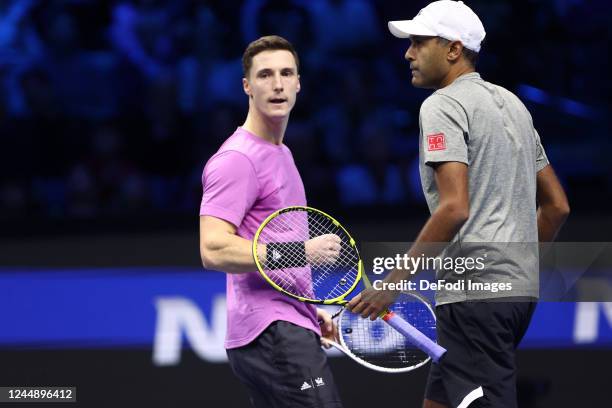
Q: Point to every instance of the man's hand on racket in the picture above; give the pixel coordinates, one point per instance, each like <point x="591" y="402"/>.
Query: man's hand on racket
<point x="324" y="249"/>
<point x="371" y="302"/>
<point x="329" y="329"/>
<point x="288" y="271"/>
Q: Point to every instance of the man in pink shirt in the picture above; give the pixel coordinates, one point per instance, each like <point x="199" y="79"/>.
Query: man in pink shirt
<point x="273" y="341"/>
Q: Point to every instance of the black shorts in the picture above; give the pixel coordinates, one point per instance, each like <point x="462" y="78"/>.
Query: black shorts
<point x="285" y="367"/>
<point x="481" y="339"/>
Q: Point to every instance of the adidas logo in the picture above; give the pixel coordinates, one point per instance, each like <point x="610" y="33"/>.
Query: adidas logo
<point x="276" y="255"/>
<point x="305" y="386"/>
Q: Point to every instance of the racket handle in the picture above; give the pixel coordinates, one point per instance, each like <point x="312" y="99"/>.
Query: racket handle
<point x="433" y="349"/>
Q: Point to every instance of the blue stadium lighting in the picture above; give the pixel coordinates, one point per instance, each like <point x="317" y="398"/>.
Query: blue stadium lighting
<point x="534" y="94"/>
<point x="567" y="105"/>
<point x="575" y="108"/>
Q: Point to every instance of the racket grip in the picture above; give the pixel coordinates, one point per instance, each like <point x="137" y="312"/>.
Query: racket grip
<point x="433" y="349"/>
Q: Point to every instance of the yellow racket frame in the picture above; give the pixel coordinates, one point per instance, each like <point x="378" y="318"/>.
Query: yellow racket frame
<point x="335" y="301"/>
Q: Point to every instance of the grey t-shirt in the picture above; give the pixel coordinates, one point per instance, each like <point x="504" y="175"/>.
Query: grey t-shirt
<point x="488" y="128"/>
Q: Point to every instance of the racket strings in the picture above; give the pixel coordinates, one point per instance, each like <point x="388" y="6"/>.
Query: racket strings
<point x="378" y="344"/>
<point x="320" y="279"/>
<point x="321" y="226"/>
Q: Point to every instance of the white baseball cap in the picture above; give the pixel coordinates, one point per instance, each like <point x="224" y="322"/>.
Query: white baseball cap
<point x="448" y="19"/>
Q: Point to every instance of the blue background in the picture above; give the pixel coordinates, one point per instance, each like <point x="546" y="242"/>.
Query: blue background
<point x="115" y="307"/>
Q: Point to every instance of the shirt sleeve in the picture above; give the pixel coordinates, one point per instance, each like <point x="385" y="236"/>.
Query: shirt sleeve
<point x="444" y="130"/>
<point x="230" y="187"/>
<point x="541" y="158"/>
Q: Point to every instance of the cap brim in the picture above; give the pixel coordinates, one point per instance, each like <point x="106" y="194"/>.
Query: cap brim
<point x="406" y="28"/>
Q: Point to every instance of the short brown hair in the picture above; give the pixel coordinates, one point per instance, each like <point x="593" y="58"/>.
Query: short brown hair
<point x="267" y="43"/>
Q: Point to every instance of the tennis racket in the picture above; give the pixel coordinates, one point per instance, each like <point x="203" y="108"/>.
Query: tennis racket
<point x="308" y="255"/>
<point x="379" y="347"/>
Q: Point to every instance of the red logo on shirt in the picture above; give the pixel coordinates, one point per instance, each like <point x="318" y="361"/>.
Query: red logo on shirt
<point x="436" y="142"/>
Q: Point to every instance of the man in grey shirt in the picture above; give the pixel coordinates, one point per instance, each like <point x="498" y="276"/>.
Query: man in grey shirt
<point x="488" y="129"/>
<point x="490" y="190"/>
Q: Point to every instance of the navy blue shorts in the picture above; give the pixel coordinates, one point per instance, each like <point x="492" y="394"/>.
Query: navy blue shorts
<point x="285" y="367"/>
<point x="481" y="338"/>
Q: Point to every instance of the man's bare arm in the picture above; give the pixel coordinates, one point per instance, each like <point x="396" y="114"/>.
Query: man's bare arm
<point x="553" y="207"/>
<point x="222" y="250"/>
<point x="453" y="210"/>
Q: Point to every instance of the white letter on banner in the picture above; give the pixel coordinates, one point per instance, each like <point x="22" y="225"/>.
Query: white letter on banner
<point x="178" y="315"/>
<point x="586" y="323"/>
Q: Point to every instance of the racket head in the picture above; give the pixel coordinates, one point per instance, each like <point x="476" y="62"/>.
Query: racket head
<point x="378" y="346"/>
<point x="325" y="283"/>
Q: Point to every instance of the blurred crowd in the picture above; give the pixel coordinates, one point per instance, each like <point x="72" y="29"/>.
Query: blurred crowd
<point x="113" y="107"/>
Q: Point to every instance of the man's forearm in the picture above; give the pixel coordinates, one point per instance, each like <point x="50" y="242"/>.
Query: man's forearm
<point x="550" y="221"/>
<point x="229" y="253"/>
<point x="440" y="228"/>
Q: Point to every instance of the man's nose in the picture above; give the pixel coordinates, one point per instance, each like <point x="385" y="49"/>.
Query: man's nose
<point x="409" y="56"/>
<point x="278" y="82"/>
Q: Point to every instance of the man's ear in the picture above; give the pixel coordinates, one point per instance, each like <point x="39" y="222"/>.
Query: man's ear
<point x="246" y="87"/>
<point x="299" y="86"/>
<point x="455" y="50"/>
